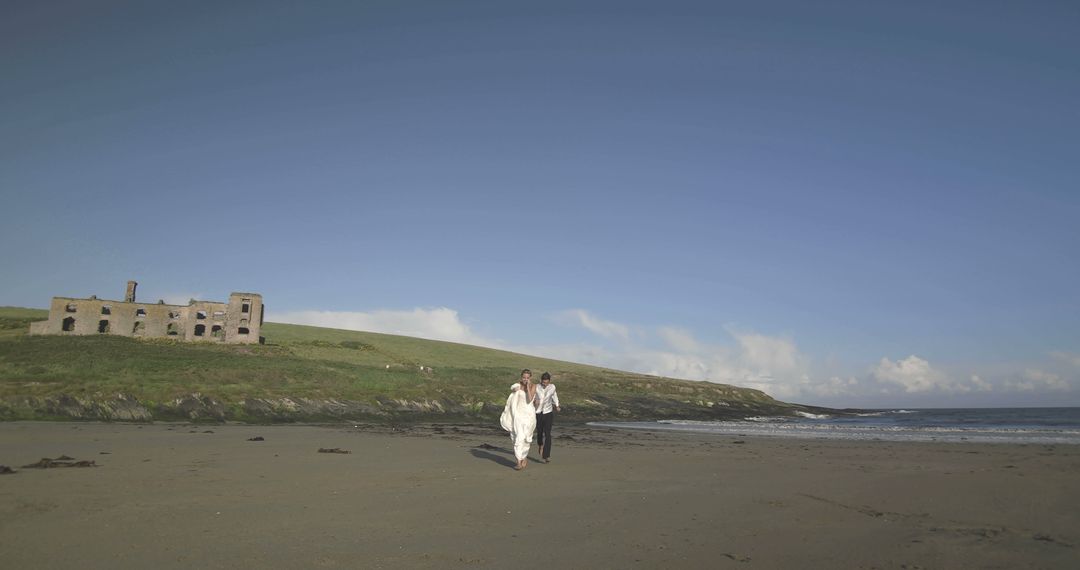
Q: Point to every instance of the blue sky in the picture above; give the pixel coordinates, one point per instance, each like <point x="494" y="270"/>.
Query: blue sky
<point x="848" y="204"/>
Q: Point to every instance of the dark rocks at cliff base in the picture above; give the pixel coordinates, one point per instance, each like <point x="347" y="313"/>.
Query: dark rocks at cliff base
<point x="204" y="408"/>
<point x="122" y="407"/>
<point x="193" y="407"/>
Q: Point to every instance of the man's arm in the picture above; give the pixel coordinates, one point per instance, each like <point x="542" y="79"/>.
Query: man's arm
<point x="555" y="397"/>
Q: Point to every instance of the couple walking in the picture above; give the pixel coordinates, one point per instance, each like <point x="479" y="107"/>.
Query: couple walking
<point x="530" y="408"/>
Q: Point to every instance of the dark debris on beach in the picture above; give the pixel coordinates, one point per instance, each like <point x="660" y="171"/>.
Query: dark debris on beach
<point x="62" y="461"/>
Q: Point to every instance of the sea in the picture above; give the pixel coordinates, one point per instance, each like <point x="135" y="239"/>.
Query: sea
<point x="955" y="425"/>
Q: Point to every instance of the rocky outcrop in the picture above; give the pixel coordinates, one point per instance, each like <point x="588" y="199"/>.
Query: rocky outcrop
<point x="120" y="407"/>
<point x="200" y="407"/>
<point x="302" y="409"/>
<point x="192" y="407"/>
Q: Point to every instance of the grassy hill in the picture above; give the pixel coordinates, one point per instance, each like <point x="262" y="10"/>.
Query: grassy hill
<point x="308" y="373"/>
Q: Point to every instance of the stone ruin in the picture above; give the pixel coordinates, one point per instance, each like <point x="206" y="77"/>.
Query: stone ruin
<point x="239" y="321"/>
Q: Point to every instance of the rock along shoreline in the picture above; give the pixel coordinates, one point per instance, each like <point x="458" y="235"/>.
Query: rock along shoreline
<point x="198" y="407"/>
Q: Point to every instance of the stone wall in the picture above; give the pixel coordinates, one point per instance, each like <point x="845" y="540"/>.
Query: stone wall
<point x="197" y="321"/>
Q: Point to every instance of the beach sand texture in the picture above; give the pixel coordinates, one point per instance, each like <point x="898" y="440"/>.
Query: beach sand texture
<point x="184" y="496"/>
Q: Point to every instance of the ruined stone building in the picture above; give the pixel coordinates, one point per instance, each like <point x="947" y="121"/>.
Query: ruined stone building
<point x="239" y="321"/>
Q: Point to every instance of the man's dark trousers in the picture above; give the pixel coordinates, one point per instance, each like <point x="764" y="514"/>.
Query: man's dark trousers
<point x="543" y="433"/>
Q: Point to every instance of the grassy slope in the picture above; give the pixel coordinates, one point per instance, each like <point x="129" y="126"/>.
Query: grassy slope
<point x="307" y="362"/>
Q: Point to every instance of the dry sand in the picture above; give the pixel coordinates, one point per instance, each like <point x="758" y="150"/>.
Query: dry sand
<point x="179" y="496"/>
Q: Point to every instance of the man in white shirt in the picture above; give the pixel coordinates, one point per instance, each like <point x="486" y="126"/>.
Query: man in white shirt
<point x="547" y="405"/>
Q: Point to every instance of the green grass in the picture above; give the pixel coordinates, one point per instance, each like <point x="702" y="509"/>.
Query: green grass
<point x="309" y="362"/>
<point x="15" y="321"/>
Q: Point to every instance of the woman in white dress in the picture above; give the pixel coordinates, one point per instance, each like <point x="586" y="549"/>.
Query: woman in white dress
<point x="519" y="417"/>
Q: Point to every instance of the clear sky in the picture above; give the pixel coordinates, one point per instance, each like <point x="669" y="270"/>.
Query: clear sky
<point x="842" y="203"/>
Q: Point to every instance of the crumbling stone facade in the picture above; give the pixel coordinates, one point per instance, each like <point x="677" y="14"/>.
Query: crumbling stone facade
<point x="239" y="321"/>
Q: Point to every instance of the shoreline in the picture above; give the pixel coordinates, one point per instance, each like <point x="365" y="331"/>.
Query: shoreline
<point x="179" y="495"/>
<point x="829" y="432"/>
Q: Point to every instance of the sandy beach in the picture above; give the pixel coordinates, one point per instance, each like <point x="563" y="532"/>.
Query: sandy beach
<point x="186" y="496"/>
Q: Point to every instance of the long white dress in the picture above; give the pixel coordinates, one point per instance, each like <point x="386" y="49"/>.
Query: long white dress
<point x="519" y="418"/>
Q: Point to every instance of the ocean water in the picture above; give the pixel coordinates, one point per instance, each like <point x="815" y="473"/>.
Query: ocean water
<point x="959" y="425"/>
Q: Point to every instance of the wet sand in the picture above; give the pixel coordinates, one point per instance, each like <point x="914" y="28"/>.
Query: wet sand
<point x="182" y="496"/>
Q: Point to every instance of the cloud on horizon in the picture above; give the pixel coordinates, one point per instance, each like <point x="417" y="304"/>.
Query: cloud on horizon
<point x="595" y="325"/>
<point x="438" y="323"/>
<point x="1032" y="379"/>
<point x="1067" y="358"/>
<point x="914" y="374"/>
<point x="773" y="364"/>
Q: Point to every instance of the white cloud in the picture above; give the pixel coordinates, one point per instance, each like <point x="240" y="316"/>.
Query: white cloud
<point x="594" y="324"/>
<point x="437" y="323"/>
<point x="1037" y="380"/>
<point x="1067" y="357"/>
<point x="672" y="364"/>
<point x="980" y="385"/>
<point x="771" y="364"/>
<point x="680" y="340"/>
<point x="915" y="375"/>
<point x="834" y="386"/>
<point x="771" y="354"/>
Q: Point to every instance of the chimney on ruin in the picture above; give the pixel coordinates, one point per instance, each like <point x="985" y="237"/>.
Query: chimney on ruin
<point x="129" y="297"/>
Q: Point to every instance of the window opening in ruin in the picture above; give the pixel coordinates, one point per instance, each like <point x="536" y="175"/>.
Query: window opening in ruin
<point x="103" y="326"/>
<point x="70" y="307"/>
<point x="243" y="322"/>
<point x="69" y="324"/>
<point x="172" y="329"/>
<point x="200" y="315"/>
<point x="200" y="330"/>
<point x="217" y="332"/>
<point x="106" y="310"/>
<point x="173" y="315"/>
<point x="139" y="328"/>
<point x="242" y="330"/>
<point x="246" y="307"/>
<point x="140" y="312"/>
